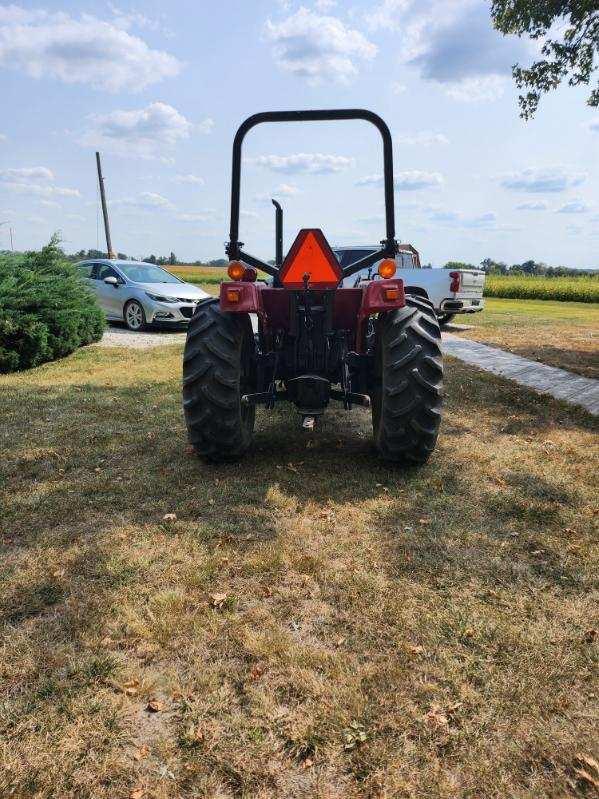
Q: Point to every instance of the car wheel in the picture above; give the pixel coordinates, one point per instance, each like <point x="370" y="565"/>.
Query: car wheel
<point x="134" y="315"/>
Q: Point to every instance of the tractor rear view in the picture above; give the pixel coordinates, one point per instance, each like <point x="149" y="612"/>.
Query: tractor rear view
<point x="316" y="342"/>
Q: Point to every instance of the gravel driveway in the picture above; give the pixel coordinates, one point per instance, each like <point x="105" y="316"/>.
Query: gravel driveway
<point x="121" y="337"/>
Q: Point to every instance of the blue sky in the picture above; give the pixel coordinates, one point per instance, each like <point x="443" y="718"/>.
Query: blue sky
<point x="161" y="88"/>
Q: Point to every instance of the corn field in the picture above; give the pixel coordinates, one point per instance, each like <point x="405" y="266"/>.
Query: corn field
<point x="568" y="289"/>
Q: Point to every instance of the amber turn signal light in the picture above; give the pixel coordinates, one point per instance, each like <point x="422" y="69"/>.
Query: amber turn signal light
<point x="232" y="295"/>
<point x="236" y="271"/>
<point x="391" y="294"/>
<point x="387" y="268"/>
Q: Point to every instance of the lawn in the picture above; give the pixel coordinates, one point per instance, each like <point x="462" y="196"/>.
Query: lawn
<point x="309" y="623"/>
<point x="564" y="334"/>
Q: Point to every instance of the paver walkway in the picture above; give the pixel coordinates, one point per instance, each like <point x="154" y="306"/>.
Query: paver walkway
<point x="559" y="383"/>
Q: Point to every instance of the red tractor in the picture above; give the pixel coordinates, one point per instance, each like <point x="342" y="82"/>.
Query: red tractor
<point x="372" y="345"/>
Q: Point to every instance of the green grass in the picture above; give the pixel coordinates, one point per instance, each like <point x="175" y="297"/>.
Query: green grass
<point x="383" y="633"/>
<point x="573" y="289"/>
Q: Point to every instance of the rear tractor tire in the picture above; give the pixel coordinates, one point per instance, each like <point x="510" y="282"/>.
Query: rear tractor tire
<point x="217" y="372"/>
<point x="408" y="383"/>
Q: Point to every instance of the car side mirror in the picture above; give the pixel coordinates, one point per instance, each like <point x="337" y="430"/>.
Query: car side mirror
<point x="111" y="281"/>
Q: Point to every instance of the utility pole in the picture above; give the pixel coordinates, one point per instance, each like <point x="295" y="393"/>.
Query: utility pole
<point x="111" y="253"/>
<point x="12" y="249"/>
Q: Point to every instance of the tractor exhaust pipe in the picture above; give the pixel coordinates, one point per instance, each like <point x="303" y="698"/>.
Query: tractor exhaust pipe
<point x="278" y="234"/>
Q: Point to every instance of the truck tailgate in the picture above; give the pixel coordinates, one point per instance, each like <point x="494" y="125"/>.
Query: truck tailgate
<point x="472" y="283"/>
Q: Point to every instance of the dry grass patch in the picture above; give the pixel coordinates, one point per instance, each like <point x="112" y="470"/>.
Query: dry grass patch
<point x="562" y="334"/>
<point x="309" y="623"/>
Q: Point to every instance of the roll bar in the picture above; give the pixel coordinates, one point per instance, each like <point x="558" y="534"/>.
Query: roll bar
<point x="389" y="244"/>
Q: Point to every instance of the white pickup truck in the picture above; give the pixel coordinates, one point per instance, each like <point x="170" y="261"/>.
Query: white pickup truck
<point x="451" y="292"/>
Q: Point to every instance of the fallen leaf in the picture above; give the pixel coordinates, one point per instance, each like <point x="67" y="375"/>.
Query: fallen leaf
<point x="436" y="718"/>
<point x="308" y="763"/>
<point x="218" y="600"/>
<point x="416" y="649"/>
<point x="136" y="793"/>
<point x="586" y="777"/>
<point x="354" y="735"/>
<point x="142" y="752"/>
<point x="257" y="671"/>
<point x="170" y="517"/>
<point x="589" y="761"/>
<point x="155" y="706"/>
<point x="590" y="635"/>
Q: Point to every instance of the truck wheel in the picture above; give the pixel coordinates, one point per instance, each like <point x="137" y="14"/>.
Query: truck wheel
<point x="408" y="382"/>
<point x="445" y="318"/>
<point x="217" y="371"/>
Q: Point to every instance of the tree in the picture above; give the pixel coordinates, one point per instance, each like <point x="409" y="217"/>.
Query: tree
<point x="172" y="259"/>
<point x="151" y="259"/>
<point x="569" y="50"/>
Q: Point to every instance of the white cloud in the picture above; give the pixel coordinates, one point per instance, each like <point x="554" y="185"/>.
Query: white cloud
<point x="3" y="137"/>
<point x="425" y="138"/>
<point x="202" y="216"/>
<point x="79" y="50"/>
<point x="249" y="215"/>
<point x="26" y="174"/>
<point x="310" y="163"/>
<point x="143" y="133"/>
<point x="486" y="221"/>
<point x="75" y="217"/>
<point x="205" y="126"/>
<point x="411" y="180"/>
<point x="193" y="179"/>
<point x="287" y="189"/>
<point x="324" y="5"/>
<point x="453" y="43"/>
<point x="533" y="205"/>
<point x="283" y="190"/>
<point x="37" y="190"/>
<point x="593" y="125"/>
<point x="146" y="201"/>
<point x="575" y="206"/>
<point x="548" y="179"/>
<point x="475" y="90"/>
<point x="318" y="47"/>
<point x="398" y="88"/>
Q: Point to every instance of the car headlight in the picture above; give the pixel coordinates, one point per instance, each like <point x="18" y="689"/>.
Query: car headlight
<point x="160" y="298"/>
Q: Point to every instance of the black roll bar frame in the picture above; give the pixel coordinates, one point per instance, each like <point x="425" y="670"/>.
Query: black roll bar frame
<point x="389" y="245"/>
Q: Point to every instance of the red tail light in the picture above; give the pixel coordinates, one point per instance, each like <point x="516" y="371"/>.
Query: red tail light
<point x="456" y="280"/>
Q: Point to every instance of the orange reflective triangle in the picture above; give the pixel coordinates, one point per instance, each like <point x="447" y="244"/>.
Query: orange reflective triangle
<point x="310" y="255"/>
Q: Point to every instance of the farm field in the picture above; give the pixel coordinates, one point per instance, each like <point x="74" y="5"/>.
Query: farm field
<point x="568" y="289"/>
<point x="309" y="623"/>
<point x="563" y="334"/>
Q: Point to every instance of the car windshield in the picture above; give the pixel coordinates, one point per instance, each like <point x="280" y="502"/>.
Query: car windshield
<point x="147" y="273"/>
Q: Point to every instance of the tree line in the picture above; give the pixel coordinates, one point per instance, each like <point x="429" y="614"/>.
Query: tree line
<point x="492" y="267"/>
